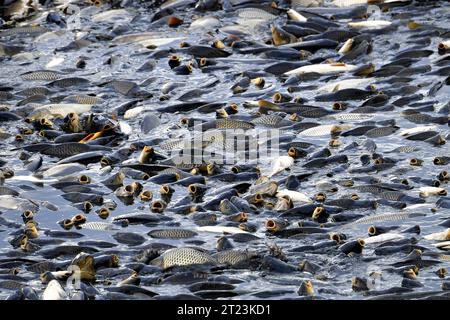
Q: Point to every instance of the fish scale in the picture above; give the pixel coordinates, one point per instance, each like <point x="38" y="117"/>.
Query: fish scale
<point x="82" y="99"/>
<point x="183" y="257"/>
<point x="22" y="31"/>
<point x="272" y="120"/>
<point x="34" y="91"/>
<point x="5" y="95"/>
<point x="255" y="13"/>
<point x="69" y="82"/>
<point x="351" y="116"/>
<point x="172" y="233"/>
<point x="233" y="124"/>
<point x="383" y="217"/>
<point x="99" y="226"/>
<point x="380" y="132"/>
<point x="404" y="149"/>
<point x="392" y="195"/>
<point x="45" y="75"/>
<point x="232" y="257"/>
<point x="172" y="144"/>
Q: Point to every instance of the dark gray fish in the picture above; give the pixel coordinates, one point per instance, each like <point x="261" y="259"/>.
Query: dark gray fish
<point x="207" y="52"/>
<point x="129" y="238"/>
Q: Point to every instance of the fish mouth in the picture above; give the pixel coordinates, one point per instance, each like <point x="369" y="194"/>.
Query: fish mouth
<point x="72" y="116"/>
<point x="148" y="149"/>
<point x="87" y="206"/>
<point x="203" y="62"/>
<point x="146" y="195"/>
<point x="277" y="97"/>
<point x="66" y="224"/>
<point x="338" y="106"/>
<point x="372" y="231"/>
<point x="84" y="179"/>
<point x="211" y="169"/>
<point x="103" y="213"/>
<point x="45" y="122"/>
<point x="196" y="190"/>
<point x="444" y="175"/>
<point x="354" y="196"/>
<point x="258" y="198"/>
<point x="78" y="219"/>
<point x="129" y="188"/>
<point x="271" y="225"/>
<point x="242" y="217"/>
<point x="158" y="206"/>
<point x="321" y="196"/>
<point x="442" y="272"/>
<point x="166" y="190"/>
<point x="415" y="162"/>
<point x="294" y="153"/>
<point x="235" y="169"/>
<point x="234" y="108"/>
<point x="104" y="162"/>
<point x="184" y="121"/>
<point x="318" y="212"/>
<point x="174" y="61"/>
<point x="28" y="215"/>
<point x="337" y="237"/>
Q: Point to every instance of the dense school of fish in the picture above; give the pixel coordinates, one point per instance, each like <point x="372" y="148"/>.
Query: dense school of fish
<point x="96" y="97"/>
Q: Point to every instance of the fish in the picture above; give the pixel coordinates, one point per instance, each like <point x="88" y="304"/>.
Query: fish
<point x="370" y="24"/>
<point x="326" y="68"/>
<point x="60" y="110"/>
<point x="384" y="217"/>
<point x="383" y="238"/>
<point x="438" y="236"/>
<point x="355" y="83"/>
<point x="281" y="163"/>
<point x="428" y="191"/>
<point x="16" y="203"/>
<point x="220" y="229"/>
<point x="234" y="257"/>
<point x="322" y="130"/>
<point x="294" y="196"/>
<point x="171" y="233"/>
<point x="129" y="238"/>
<point x="98" y="225"/>
<point x="183" y="257"/>
<point x="43" y="75"/>
<point x="54" y="291"/>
